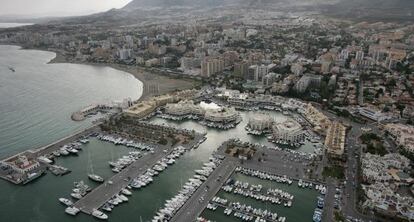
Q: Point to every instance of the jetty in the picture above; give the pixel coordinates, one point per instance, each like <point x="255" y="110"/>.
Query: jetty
<point x="25" y="166"/>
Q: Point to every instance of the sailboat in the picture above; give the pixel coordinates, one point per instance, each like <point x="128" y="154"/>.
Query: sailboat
<point x="93" y="176"/>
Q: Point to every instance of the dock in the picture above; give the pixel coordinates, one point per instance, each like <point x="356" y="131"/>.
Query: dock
<point x="8" y="167"/>
<point x="100" y="195"/>
<point x="199" y="200"/>
<point x="48" y="149"/>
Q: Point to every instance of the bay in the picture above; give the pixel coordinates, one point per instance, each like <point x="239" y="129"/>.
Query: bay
<point x="12" y="25"/>
<point x="37" y="99"/>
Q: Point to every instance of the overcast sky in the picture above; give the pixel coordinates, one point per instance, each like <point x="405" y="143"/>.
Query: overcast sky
<point x="41" y="8"/>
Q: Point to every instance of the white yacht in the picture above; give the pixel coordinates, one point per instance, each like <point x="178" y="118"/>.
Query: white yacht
<point x="56" y="153"/>
<point x="76" y="195"/>
<point x="63" y="151"/>
<point x="72" y="211"/>
<point x="99" y="214"/>
<point x="73" y="151"/>
<point x="122" y="197"/>
<point x="44" y="159"/>
<point x="107" y="207"/>
<point x="96" y="178"/>
<point x="126" y="192"/>
<point x="65" y="201"/>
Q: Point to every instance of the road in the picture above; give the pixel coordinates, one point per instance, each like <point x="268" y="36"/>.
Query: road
<point x="353" y="153"/>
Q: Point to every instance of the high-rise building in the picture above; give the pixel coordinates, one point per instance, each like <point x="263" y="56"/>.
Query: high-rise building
<point x="257" y="72"/>
<point x="211" y="66"/>
<point x="359" y="55"/>
<point x="306" y="81"/>
<point x="241" y="69"/>
<point x="124" y="54"/>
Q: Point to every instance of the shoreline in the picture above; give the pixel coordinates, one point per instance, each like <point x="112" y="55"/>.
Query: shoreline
<point x="153" y="83"/>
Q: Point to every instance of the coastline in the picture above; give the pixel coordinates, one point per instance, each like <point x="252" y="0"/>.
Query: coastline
<point x="153" y="84"/>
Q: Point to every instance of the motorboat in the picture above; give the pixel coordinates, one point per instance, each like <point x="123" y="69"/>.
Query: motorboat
<point x="317" y="215"/>
<point x="56" y="153"/>
<point x="44" y="160"/>
<point x="122" y="197"/>
<point x="76" y="195"/>
<point x="99" y="214"/>
<point x="126" y="192"/>
<point x="107" y="207"/>
<point x="72" y="211"/>
<point x="65" y="201"/>
<point x="73" y="151"/>
<point x="63" y="151"/>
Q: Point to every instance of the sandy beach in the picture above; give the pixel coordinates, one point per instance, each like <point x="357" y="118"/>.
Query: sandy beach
<point x="154" y="84"/>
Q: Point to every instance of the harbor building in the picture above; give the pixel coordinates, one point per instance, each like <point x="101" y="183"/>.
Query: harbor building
<point x="335" y="140"/>
<point x="224" y="115"/>
<point x="22" y="164"/>
<point x="288" y="132"/>
<point x="21" y="168"/>
<point x="182" y="108"/>
<point x="144" y="108"/>
<point x="260" y="122"/>
<point x="209" y="114"/>
<point x="141" y="109"/>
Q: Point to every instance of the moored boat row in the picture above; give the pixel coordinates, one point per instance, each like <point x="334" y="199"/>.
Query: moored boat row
<point x="125" y="142"/>
<point x="172" y="205"/>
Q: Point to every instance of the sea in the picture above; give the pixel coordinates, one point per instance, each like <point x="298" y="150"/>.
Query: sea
<point x="12" y="25"/>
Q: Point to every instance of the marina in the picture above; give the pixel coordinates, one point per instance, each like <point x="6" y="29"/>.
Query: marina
<point x="302" y="202"/>
<point x="139" y="175"/>
<point x="215" y="180"/>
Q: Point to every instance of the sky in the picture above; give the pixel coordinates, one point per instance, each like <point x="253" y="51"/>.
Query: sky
<point x="44" y="8"/>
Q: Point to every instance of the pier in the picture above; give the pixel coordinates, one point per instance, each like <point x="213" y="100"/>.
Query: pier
<point x="100" y="195"/>
<point x="199" y="200"/>
<point x="14" y="171"/>
<point x="48" y="149"/>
